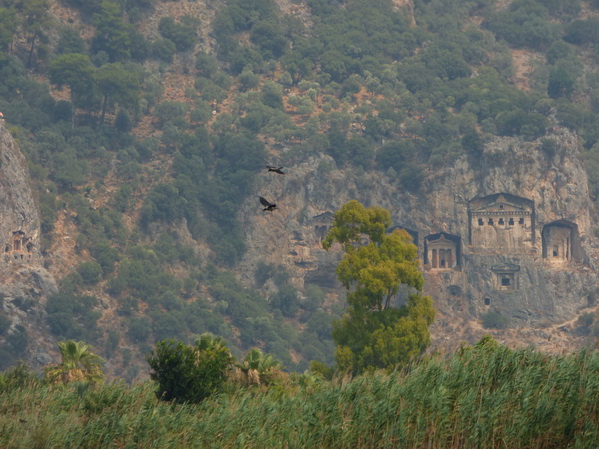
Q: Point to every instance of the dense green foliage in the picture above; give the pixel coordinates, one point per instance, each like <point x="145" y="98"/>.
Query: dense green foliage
<point x="483" y="396"/>
<point x="190" y="373"/>
<point x="375" y="333"/>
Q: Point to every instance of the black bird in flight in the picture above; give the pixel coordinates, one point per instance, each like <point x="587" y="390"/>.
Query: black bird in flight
<point x="275" y="169"/>
<point x="267" y="205"/>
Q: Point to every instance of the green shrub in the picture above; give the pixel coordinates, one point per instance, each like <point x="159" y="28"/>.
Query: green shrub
<point x="314" y="298"/>
<point x="72" y="316"/>
<point x="189" y="373"/>
<point x="495" y="320"/>
<point x="549" y="147"/>
<point x="286" y="300"/>
<point x="411" y="176"/>
<point x="164" y="50"/>
<point x="586" y="319"/>
<point x="106" y="256"/>
<point x="168" y="325"/>
<point x="127" y="306"/>
<point x="18" y="339"/>
<point x="90" y="272"/>
<point x="112" y="342"/>
<point x="25" y="304"/>
<point x="140" y="329"/>
<point x="183" y="34"/>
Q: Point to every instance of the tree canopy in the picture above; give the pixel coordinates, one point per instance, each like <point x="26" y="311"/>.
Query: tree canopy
<point x="190" y="373"/>
<point x="79" y="363"/>
<point x="375" y="332"/>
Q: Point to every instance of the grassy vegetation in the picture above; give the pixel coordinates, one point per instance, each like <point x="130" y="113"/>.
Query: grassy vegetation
<point x="486" y="396"/>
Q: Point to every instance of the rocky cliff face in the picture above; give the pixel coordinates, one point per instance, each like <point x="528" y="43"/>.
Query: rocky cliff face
<point x="509" y="231"/>
<point x="22" y="275"/>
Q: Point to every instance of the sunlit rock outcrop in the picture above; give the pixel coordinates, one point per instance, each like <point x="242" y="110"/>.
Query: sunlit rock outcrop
<point x="22" y="274"/>
<point x="508" y="231"/>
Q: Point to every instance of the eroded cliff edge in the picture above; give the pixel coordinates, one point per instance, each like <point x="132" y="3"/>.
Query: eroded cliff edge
<point x="508" y="231"/>
<point x="24" y="282"/>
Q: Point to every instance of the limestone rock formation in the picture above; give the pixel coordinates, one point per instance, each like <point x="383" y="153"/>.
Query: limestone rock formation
<point x="509" y="231"/>
<point x="22" y="274"/>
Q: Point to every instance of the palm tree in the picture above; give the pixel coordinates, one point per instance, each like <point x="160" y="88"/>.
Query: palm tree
<point x="209" y="341"/>
<point x="261" y="368"/>
<point x="79" y="363"/>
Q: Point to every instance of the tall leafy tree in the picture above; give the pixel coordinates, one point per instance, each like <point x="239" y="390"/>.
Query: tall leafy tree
<point x="113" y="35"/>
<point x="8" y="27"/>
<point x="117" y="82"/>
<point x="561" y="82"/>
<point x="182" y="34"/>
<point x="373" y="332"/>
<point x="74" y="70"/>
<point x="70" y="41"/>
<point x="36" y="19"/>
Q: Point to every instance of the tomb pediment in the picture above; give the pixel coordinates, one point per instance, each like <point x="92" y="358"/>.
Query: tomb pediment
<point x="441" y="241"/>
<point x="442" y="237"/>
<point x="501" y="202"/>
<point x="501" y="207"/>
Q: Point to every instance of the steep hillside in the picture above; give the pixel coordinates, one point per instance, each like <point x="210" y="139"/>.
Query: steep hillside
<point x="147" y="126"/>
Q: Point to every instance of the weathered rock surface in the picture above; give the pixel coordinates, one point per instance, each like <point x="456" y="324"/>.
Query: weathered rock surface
<point x="509" y="231"/>
<point x="22" y="274"/>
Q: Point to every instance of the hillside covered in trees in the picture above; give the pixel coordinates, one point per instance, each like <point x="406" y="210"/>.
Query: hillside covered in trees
<point x="146" y="123"/>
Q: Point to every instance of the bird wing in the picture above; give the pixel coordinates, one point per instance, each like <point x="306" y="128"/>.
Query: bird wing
<point x="265" y="203"/>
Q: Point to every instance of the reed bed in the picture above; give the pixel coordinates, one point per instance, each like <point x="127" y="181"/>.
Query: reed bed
<point x="486" y="396"/>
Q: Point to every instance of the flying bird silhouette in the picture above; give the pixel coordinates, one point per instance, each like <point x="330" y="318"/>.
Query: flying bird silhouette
<point x="275" y="169"/>
<point x="267" y="204"/>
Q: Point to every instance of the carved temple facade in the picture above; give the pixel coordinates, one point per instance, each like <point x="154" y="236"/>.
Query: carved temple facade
<point x="502" y="221"/>
<point x="502" y="225"/>
<point x="442" y="251"/>
<point x="18" y="246"/>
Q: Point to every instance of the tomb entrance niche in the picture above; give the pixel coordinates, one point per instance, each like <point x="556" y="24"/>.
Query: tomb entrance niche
<point x="18" y="238"/>
<point x="561" y="241"/>
<point x="18" y="246"/>
<point x="442" y="251"/>
<point x="501" y="222"/>
<point x="322" y="224"/>
<point x="506" y="276"/>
